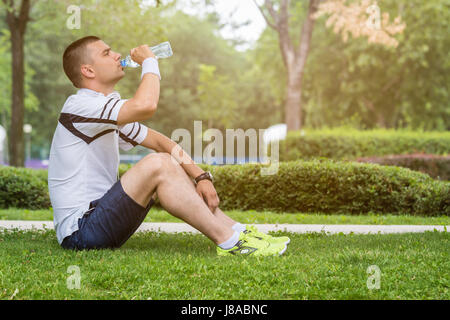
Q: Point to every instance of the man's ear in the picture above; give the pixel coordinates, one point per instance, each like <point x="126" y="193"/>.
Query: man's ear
<point x="87" y="71"/>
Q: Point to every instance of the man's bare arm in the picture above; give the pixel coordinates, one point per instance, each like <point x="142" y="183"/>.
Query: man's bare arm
<point x="160" y="143"/>
<point x="143" y="104"/>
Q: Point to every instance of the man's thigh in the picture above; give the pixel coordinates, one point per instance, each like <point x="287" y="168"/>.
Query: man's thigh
<point x="141" y="180"/>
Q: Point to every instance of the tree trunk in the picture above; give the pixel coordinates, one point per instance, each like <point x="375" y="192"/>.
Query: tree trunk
<point x="295" y="72"/>
<point x="16" y="144"/>
<point x="293" y="104"/>
<point x="17" y="26"/>
<point x="381" y="121"/>
<point x="294" y="59"/>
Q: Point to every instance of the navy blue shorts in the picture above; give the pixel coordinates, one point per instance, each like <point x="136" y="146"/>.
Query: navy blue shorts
<point x="109" y="222"/>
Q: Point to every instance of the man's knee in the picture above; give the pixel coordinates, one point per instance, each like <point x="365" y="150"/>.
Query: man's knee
<point x="160" y="163"/>
<point x="170" y="167"/>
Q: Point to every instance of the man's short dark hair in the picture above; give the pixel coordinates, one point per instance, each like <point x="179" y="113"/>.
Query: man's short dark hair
<point x="74" y="56"/>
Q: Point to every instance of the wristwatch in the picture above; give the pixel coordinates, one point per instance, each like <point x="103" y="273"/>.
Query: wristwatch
<point x="203" y="176"/>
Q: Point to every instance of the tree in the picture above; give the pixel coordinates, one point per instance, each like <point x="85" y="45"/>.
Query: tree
<point x="17" y="18"/>
<point x="345" y="17"/>
<point x="183" y="93"/>
<point x="294" y="58"/>
<point x="219" y="113"/>
<point x="31" y="102"/>
<point x="367" y="85"/>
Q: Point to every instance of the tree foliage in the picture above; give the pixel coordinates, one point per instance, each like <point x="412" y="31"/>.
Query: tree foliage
<point x="366" y="85"/>
<point x="361" y="19"/>
<point x="361" y="84"/>
<point x="377" y="86"/>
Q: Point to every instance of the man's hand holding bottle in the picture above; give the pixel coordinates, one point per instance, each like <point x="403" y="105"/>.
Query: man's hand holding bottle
<point x="139" y="54"/>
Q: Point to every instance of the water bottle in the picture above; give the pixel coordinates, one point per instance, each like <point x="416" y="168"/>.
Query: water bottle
<point x="162" y="50"/>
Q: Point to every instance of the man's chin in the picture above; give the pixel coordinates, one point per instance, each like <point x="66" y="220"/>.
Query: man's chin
<point x="116" y="79"/>
<point x="121" y="75"/>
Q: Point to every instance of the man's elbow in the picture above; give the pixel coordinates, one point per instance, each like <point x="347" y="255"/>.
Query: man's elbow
<point x="151" y="109"/>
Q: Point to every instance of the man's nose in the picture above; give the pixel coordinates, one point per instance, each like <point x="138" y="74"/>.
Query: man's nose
<point x="118" y="56"/>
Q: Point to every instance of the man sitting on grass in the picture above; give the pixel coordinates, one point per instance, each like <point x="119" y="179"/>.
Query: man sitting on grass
<point x="92" y="207"/>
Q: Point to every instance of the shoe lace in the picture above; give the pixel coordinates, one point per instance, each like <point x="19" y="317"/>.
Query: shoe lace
<point x="240" y="243"/>
<point x="253" y="230"/>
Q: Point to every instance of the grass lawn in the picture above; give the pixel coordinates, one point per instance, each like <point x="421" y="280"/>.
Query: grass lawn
<point x="185" y="266"/>
<point x="251" y="216"/>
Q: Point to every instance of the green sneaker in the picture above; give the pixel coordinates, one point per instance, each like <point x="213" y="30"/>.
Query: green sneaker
<point x="253" y="232"/>
<point x="248" y="245"/>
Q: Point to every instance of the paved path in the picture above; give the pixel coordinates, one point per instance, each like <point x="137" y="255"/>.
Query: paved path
<point x="295" y="228"/>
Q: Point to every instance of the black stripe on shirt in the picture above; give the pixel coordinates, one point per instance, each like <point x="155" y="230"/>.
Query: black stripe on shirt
<point x="126" y="139"/>
<point x="79" y="119"/>
<point x="134" y="124"/>
<point x="104" y="108"/>
<point x="68" y="119"/>
<point x="137" y="132"/>
<point x="109" y="114"/>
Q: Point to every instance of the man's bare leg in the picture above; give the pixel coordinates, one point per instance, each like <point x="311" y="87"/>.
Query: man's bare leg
<point x="226" y="220"/>
<point x="158" y="173"/>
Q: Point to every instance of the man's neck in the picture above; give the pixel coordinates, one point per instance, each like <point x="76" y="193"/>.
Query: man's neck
<point x="105" y="90"/>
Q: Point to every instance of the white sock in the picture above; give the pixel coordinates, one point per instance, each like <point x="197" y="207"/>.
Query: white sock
<point x="239" y="227"/>
<point x="230" y="242"/>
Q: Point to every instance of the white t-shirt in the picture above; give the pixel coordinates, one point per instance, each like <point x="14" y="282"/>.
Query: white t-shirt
<point x="84" y="156"/>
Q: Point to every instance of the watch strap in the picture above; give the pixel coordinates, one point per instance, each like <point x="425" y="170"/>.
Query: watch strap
<point x="203" y="176"/>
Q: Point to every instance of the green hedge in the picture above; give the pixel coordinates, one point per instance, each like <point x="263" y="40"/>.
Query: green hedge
<point x="329" y="186"/>
<point x="437" y="167"/>
<point x="320" y="185"/>
<point x="23" y="188"/>
<point x="348" y="144"/>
